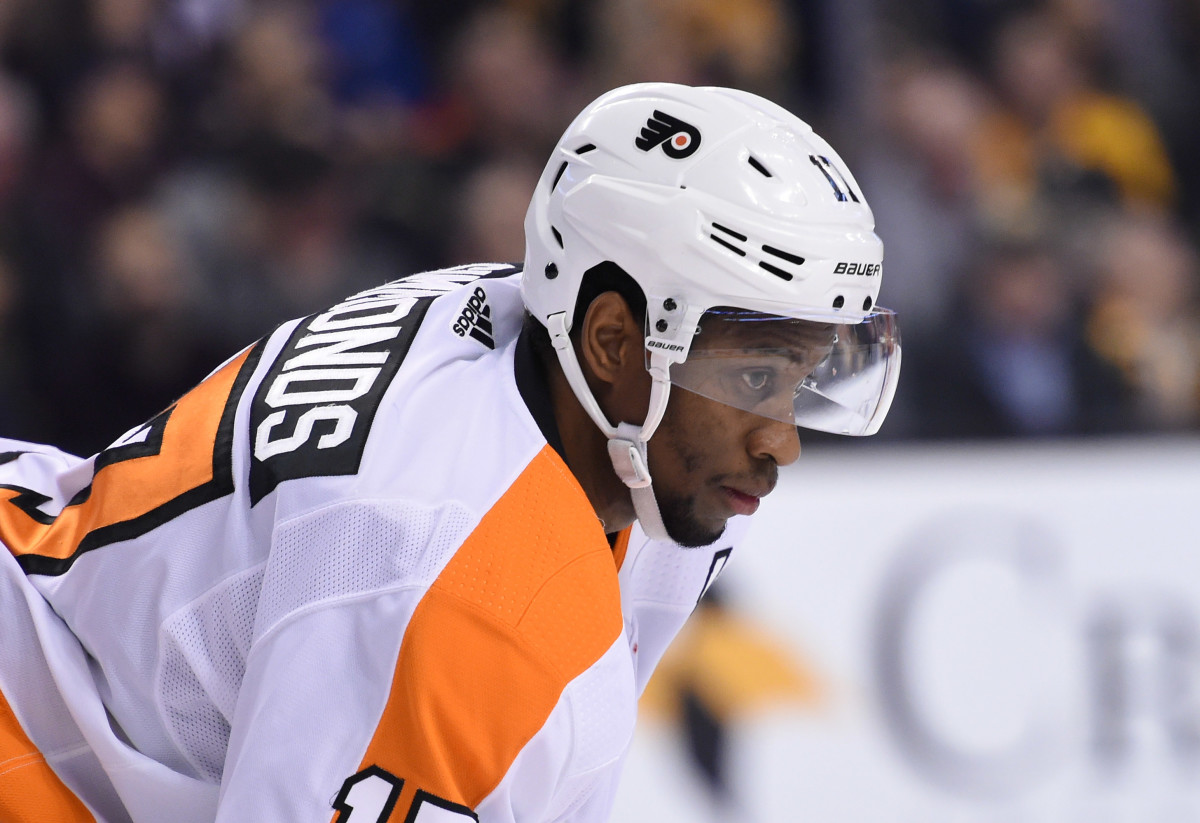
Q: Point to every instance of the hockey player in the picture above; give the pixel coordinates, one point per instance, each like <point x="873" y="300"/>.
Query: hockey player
<point x="383" y="564"/>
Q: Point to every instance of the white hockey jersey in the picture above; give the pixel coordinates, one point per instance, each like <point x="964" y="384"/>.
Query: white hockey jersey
<point x="347" y="578"/>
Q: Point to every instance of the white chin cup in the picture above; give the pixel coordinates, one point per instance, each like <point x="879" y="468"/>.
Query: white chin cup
<point x="628" y="454"/>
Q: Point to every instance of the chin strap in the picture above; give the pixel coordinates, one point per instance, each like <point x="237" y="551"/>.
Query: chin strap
<point x="626" y="441"/>
<point x="627" y="450"/>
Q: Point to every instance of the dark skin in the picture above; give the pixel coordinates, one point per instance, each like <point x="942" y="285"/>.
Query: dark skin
<point x="709" y="460"/>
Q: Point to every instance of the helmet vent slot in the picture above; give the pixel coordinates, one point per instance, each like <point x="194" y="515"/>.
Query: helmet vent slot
<point x="786" y="255"/>
<point x="557" y="236"/>
<point x="775" y="270"/>
<point x="758" y="166"/>
<point x="728" y="245"/>
<point x="736" y="241"/>
<point x="558" y="175"/>
<point x="585" y="148"/>
<point x="724" y="241"/>
<point x="730" y="232"/>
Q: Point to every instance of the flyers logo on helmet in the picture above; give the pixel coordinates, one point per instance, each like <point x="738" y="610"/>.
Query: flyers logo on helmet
<point x="677" y="138"/>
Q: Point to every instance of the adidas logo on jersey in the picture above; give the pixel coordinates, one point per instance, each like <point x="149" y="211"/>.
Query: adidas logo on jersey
<point x="476" y="319"/>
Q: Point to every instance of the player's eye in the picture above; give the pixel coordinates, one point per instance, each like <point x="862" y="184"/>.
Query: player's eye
<point x="757" y="380"/>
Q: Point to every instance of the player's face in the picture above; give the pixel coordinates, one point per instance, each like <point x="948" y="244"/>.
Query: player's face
<point x="712" y="459"/>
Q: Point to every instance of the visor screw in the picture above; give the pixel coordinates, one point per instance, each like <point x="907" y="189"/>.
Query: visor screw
<point x="551" y="271"/>
<point x="661" y="325"/>
<point x="669" y="304"/>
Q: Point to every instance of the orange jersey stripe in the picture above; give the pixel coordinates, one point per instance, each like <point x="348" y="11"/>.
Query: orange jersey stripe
<point x="131" y="488"/>
<point x="30" y="791"/>
<point x="527" y="604"/>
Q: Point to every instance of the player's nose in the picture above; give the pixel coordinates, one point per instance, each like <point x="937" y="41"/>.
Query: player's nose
<point x="776" y="440"/>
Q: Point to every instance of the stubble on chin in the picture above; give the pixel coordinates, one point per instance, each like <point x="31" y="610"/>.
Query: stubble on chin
<point x="679" y="518"/>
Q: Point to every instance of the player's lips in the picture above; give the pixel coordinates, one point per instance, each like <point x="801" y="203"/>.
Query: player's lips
<point x="745" y="500"/>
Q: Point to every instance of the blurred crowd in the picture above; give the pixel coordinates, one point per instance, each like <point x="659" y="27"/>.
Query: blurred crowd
<point x="178" y="176"/>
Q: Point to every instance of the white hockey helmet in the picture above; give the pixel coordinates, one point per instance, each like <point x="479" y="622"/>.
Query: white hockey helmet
<point x="714" y="199"/>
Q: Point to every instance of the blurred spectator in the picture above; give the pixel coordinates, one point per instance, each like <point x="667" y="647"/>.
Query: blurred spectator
<point x="379" y="77"/>
<point x="491" y="211"/>
<point x="267" y="213"/>
<point x="374" y="53"/>
<point x="140" y="346"/>
<point x="1013" y="359"/>
<point x="961" y="28"/>
<point x="111" y="154"/>
<point x="1147" y="50"/>
<point x="630" y="42"/>
<point x="1146" y="318"/>
<point x="508" y="85"/>
<point x="45" y="44"/>
<point x="18" y="132"/>
<point x="18" y="151"/>
<point x="16" y="401"/>
<point x="921" y="176"/>
<point x="1060" y="135"/>
<point x="499" y="98"/>
<point x="276" y="80"/>
<point x="271" y="235"/>
<point x="1180" y="93"/>
<point x="750" y="44"/>
<point x="19" y="415"/>
<point x="123" y="27"/>
<point x="116" y="130"/>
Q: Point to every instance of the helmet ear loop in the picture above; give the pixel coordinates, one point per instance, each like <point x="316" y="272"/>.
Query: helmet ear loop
<point x="645" y="504"/>
<point x="627" y="441"/>
<point x="556" y="325"/>
<point x="660" y="392"/>
<point x="660" y="387"/>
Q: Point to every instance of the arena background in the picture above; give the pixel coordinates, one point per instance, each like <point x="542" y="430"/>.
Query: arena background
<point x="989" y="611"/>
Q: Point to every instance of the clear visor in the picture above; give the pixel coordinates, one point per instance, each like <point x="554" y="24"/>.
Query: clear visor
<point x="831" y="377"/>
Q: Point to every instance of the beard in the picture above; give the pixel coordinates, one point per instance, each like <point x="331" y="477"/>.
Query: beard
<point x="679" y="519"/>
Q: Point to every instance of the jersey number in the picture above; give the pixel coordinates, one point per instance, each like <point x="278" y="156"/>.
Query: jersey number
<point x="179" y="460"/>
<point x="371" y="796"/>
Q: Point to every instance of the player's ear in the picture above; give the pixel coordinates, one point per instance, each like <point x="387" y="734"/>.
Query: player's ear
<point x="611" y="340"/>
<point x="612" y="351"/>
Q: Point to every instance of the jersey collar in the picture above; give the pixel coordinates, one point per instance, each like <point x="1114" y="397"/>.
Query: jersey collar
<point x="534" y="387"/>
